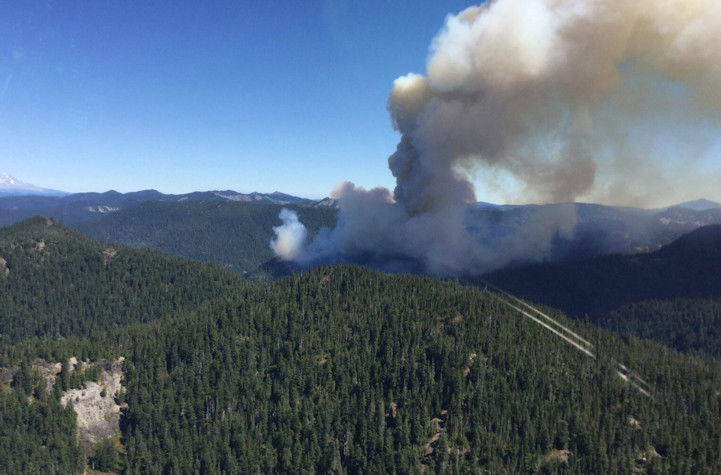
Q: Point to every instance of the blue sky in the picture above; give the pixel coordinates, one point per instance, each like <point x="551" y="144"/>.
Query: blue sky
<point x="181" y="96"/>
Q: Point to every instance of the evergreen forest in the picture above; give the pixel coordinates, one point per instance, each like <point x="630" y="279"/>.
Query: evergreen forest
<point x="339" y="369"/>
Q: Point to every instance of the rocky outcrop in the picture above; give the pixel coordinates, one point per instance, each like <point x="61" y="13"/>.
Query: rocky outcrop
<point x="98" y="415"/>
<point x="49" y="372"/>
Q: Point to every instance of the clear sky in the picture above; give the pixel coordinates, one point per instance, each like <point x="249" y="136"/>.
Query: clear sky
<point x="179" y="96"/>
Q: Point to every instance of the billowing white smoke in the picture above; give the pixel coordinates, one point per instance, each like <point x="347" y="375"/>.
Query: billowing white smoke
<point x="553" y="100"/>
<point x="290" y="237"/>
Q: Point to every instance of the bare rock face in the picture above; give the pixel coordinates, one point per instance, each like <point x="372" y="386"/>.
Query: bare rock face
<point x="556" y="458"/>
<point x="109" y="254"/>
<point x="98" y="416"/>
<point x="49" y="372"/>
<point x="635" y="423"/>
<point x="4" y="271"/>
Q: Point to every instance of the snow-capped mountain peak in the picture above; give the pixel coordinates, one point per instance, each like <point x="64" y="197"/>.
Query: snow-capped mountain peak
<point x="9" y="185"/>
<point x="7" y="179"/>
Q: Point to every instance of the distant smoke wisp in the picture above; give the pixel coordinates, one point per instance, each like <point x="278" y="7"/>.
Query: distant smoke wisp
<point x="547" y="100"/>
<point x="290" y="237"/>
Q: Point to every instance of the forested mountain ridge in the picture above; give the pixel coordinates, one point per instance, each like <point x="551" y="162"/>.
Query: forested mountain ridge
<point x="234" y="235"/>
<point x="689" y="267"/>
<point x="346" y="369"/>
<point x="55" y="281"/>
<point x="671" y="296"/>
<point x="703" y="243"/>
<point x="77" y="207"/>
<point x="145" y="219"/>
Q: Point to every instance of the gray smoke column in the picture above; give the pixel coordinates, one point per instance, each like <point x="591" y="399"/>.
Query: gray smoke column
<point x="544" y="100"/>
<point x="603" y="100"/>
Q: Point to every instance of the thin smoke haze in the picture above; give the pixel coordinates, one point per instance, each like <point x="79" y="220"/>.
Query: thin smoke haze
<point x="542" y="101"/>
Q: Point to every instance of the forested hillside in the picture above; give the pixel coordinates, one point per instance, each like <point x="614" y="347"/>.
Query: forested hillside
<point x="670" y="296"/>
<point x="687" y="268"/>
<point x="350" y="370"/>
<point x="37" y="434"/>
<point x="231" y="235"/>
<point x="688" y="325"/>
<point x="57" y="282"/>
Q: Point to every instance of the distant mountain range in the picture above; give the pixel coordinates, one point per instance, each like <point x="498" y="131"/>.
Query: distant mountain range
<point x="200" y="225"/>
<point x="78" y="207"/>
<point x="591" y="229"/>
<point x="25" y="196"/>
<point x="700" y="205"/>
<point x="11" y="186"/>
<point x="237" y="236"/>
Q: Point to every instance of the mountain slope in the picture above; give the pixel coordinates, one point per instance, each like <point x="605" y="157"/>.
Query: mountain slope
<point x="688" y="267"/>
<point x="234" y="235"/>
<point x="55" y="281"/>
<point x="687" y="325"/>
<point x="349" y="370"/>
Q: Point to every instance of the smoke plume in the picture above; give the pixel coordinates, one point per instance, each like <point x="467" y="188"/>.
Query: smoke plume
<point x="545" y="101"/>
<point x="290" y="237"/>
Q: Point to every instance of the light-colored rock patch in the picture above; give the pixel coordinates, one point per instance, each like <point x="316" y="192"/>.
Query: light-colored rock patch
<point x="49" y="372"/>
<point x="98" y="416"/>
<point x="635" y="423"/>
<point x="102" y="209"/>
<point x="109" y="254"/>
<point x="438" y="426"/>
<point x="556" y="457"/>
<point x="4" y="271"/>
